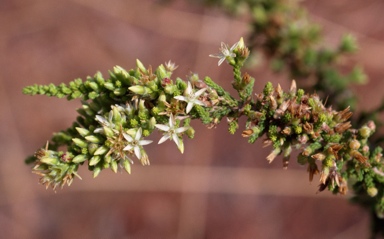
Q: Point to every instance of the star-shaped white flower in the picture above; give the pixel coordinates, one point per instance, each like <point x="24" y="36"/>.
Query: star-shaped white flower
<point x="225" y="52"/>
<point x="171" y="132"/>
<point x="190" y="97"/>
<point x="135" y="143"/>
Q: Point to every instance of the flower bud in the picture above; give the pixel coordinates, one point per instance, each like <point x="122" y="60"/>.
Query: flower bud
<point x="109" y="86"/>
<point x="94" y="86"/>
<point x="365" y="132"/>
<point x="83" y="132"/>
<point x="138" y="89"/>
<point x="127" y="166"/>
<point x="354" y="144"/>
<point x="114" y="166"/>
<point x="96" y="172"/>
<point x="49" y="160"/>
<point x="372" y="191"/>
<point x="101" y="150"/>
<point x="94" y="160"/>
<point x="141" y="66"/>
<point x="93" y="139"/>
<point x="92" y="148"/>
<point x="79" y="158"/>
<point x="80" y="143"/>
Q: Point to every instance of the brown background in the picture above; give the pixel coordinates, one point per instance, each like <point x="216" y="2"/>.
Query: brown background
<point x="221" y="187"/>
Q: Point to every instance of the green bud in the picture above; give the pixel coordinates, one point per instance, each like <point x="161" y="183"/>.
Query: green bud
<point x="127" y="166"/>
<point x="372" y="191"/>
<point x="80" y="143"/>
<point x="268" y="89"/>
<point x="365" y="132"/>
<point x="108" y="159"/>
<point x="140" y="90"/>
<point x="108" y="131"/>
<point x="106" y="165"/>
<point x="119" y="91"/>
<point x="94" y="86"/>
<point x="161" y="72"/>
<point x="99" y="78"/>
<point x="116" y="115"/>
<point x="109" y="86"/>
<point x="348" y="44"/>
<point x="94" y="160"/>
<point x="329" y="161"/>
<point x="141" y="66"/>
<point x="101" y="150"/>
<point x="114" y="166"/>
<point x="118" y="70"/>
<point x="83" y="132"/>
<point x="190" y="133"/>
<point x="298" y="129"/>
<point x="49" y="160"/>
<point x="96" y="171"/>
<point x="92" y="148"/>
<point x="79" y="158"/>
<point x="93" y="139"/>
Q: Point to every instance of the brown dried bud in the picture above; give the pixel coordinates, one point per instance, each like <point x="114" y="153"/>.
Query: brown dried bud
<point x="247" y="133"/>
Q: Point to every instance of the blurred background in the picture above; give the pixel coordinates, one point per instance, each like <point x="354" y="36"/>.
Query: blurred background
<point x="221" y="187"/>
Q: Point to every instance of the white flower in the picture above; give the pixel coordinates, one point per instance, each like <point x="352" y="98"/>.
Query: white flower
<point x="191" y="98"/>
<point x="135" y="143"/>
<point x="171" y="132"/>
<point x="225" y="52"/>
<point x="170" y="66"/>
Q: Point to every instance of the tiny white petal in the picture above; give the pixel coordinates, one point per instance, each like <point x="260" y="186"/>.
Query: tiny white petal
<point x="163" y="139"/>
<point x="145" y="142"/>
<point x="189" y="107"/>
<point x="138" y="134"/>
<point x="180" y="130"/>
<point x="137" y="152"/>
<point x="176" y="139"/>
<point x="198" y="102"/>
<point x="182" y="98"/>
<point x="128" y="147"/>
<point x="221" y="61"/>
<point x="189" y="88"/>
<point x="171" y="121"/>
<point x="199" y="92"/>
<point x="162" y="127"/>
<point x="128" y="137"/>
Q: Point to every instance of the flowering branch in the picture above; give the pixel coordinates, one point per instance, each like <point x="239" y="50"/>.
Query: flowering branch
<point x="120" y="112"/>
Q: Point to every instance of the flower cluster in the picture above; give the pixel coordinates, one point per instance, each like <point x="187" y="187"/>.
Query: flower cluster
<point x="118" y="115"/>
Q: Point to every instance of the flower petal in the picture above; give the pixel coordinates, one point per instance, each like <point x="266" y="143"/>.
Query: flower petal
<point x="180" y="97"/>
<point x="163" y="139"/>
<point x="162" y="127"/>
<point x="221" y="61"/>
<point x="189" y="107"/>
<point x="176" y="139"/>
<point x="189" y="88"/>
<point x="137" y="152"/>
<point x="128" y="147"/>
<point x="199" y="92"/>
<point x="128" y="137"/>
<point x="138" y="134"/>
<point x="145" y="142"/>
<point x="181" y="129"/>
